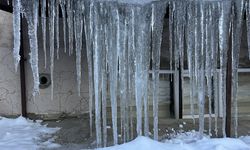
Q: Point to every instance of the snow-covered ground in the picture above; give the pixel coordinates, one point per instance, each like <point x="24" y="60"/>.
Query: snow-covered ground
<point x="24" y="134"/>
<point x="186" y="141"/>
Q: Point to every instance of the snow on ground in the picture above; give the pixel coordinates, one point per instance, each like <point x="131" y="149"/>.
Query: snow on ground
<point x="25" y="134"/>
<point x="186" y="141"/>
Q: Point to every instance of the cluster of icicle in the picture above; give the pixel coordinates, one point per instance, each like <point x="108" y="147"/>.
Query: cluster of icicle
<point x="123" y="37"/>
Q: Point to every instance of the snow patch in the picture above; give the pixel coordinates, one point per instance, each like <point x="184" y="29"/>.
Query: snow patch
<point x="186" y="141"/>
<point x="24" y="134"/>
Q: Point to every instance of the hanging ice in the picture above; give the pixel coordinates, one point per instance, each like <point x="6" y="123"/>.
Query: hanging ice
<point x="62" y="4"/>
<point x="78" y="26"/>
<point x="16" y="31"/>
<point x="30" y="11"/>
<point x="248" y="24"/>
<point x="122" y="38"/>
<point x="69" y="9"/>
<point x="52" y="48"/>
<point x="224" y="22"/>
<point x="236" y="42"/>
<point x="44" y="29"/>
<point x="158" y="12"/>
<point x="57" y="27"/>
<point x="88" y="37"/>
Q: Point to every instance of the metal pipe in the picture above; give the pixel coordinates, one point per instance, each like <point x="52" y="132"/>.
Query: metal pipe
<point x="22" y="76"/>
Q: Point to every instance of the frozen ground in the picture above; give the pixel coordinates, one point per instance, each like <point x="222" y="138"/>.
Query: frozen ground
<point x="75" y="135"/>
<point x="24" y="134"/>
<point x="186" y="141"/>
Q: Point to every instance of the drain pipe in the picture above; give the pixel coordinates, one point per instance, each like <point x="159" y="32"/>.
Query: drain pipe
<point x="22" y="76"/>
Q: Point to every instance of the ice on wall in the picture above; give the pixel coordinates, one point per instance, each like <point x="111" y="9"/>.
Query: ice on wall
<point x="43" y="6"/>
<point x="30" y="11"/>
<point x="123" y="40"/>
<point x="247" y="5"/>
<point x="16" y="31"/>
<point x="236" y="42"/>
<point x="52" y="42"/>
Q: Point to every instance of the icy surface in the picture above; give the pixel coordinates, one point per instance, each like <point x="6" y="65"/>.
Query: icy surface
<point x="23" y="134"/>
<point x="185" y="141"/>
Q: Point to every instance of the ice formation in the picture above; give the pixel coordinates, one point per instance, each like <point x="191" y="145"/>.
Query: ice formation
<point x="16" y="31"/>
<point x="123" y="41"/>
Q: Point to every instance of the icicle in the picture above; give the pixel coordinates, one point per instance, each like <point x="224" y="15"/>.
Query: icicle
<point x="104" y="83"/>
<point x="138" y="79"/>
<point x="70" y="25"/>
<point x="208" y="65"/>
<point x="200" y="77"/>
<point x="224" y="22"/>
<point x="121" y="73"/>
<point x="145" y="96"/>
<point x="142" y="46"/>
<point x="97" y="70"/>
<point x="146" y="57"/>
<point x="88" y="28"/>
<point x="16" y="31"/>
<point x="158" y="12"/>
<point x="248" y="25"/>
<point x="190" y="53"/>
<point x="44" y="29"/>
<point x="62" y="4"/>
<point x="236" y="42"/>
<point x="214" y="49"/>
<point x="126" y="76"/>
<point x="131" y="77"/>
<point x="78" y="24"/>
<point x="113" y="65"/>
<point x="171" y="43"/>
<point x="31" y="14"/>
<point x="57" y="28"/>
<point x="52" y="48"/>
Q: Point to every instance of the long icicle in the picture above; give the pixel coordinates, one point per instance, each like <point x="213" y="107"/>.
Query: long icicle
<point x="236" y="42"/>
<point x="248" y="25"/>
<point x="44" y="29"/>
<point x="52" y="48"/>
<point x="97" y="71"/>
<point x="88" y="28"/>
<point x="208" y="66"/>
<point x="78" y="25"/>
<point x="62" y="4"/>
<point x="157" y="16"/>
<point x="57" y="28"/>
<point x="31" y="14"/>
<point x="16" y="31"/>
